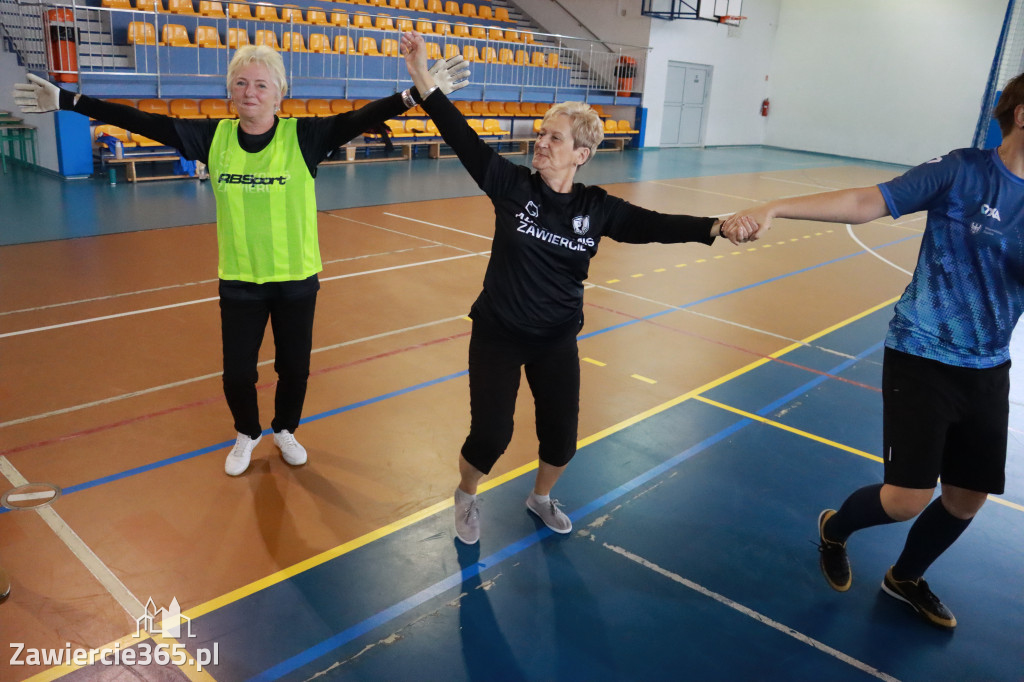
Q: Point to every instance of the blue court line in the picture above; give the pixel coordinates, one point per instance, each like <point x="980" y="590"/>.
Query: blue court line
<point x="454" y="580"/>
<point x="409" y="389"/>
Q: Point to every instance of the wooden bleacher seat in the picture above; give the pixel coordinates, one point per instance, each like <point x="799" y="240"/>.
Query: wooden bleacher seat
<point x="141" y="33"/>
<point x="211" y="8"/>
<point x="175" y="35"/>
<point x="294" y="108"/>
<point x="267" y="37"/>
<point x="292" y="41"/>
<point x="154" y="106"/>
<point x="342" y="45"/>
<point x="291" y="14"/>
<point x="266" y="12"/>
<point x="180" y="7"/>
<point x="207" y="36"/>
<point x="320" y="43"/>
<point x="318" y="107"/>
<point x="237" y="37"/>
<point x="214" y="108"/>
<point x="340" y="106"/>
<point x="239" y="10"/>
<point x="185" y="108"/>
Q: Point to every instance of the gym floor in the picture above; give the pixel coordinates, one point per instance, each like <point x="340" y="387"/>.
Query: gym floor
<point x="729" y="394"/>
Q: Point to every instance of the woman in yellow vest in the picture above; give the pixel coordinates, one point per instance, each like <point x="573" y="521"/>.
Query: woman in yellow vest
<point x="262" y="168"/>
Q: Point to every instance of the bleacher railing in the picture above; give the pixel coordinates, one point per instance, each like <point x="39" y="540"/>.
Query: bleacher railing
<point x="128" y="52"/>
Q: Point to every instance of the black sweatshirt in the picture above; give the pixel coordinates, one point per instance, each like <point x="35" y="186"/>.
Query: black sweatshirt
<point x="544" y="240"/>
<point x="318" y="136"/>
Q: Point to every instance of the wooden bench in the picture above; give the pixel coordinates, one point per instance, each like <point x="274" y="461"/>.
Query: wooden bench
<point x="351" y="152"/>
<point x="128" y="160"/>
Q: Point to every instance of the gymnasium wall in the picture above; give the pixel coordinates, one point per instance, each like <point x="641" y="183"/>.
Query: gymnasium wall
<point x="900" y="82"/>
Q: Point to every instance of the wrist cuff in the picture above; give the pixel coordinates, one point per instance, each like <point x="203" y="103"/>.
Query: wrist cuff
<point x="408" y="99"/>
<point x="418" y="97"/>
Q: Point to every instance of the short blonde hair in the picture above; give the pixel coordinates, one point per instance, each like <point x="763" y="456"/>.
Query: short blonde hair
<point x="584" y="123"/>
<point x="258" y="54"/>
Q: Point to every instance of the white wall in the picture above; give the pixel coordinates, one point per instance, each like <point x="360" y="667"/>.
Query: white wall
<point x="616" y="21"/>
<point x="740" y="64"/>
<point x="46" y="143"/>
<point x="876" y="79"/>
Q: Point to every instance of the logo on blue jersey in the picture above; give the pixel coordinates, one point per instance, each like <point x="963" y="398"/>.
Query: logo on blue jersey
<point x="990" y="211"/>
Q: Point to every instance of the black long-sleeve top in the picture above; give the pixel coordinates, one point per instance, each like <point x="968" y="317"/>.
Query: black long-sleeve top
<point x="544" y="240"/>
<point x="318" y="136"/>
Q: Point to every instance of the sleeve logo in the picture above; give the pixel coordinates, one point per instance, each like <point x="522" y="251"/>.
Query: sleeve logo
<point x="581" y="224"/>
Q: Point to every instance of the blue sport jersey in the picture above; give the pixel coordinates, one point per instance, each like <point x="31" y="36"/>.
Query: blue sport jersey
<point x="968" y="287"/>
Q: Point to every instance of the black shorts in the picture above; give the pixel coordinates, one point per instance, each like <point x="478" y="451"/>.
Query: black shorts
<point x="942" y="420"/>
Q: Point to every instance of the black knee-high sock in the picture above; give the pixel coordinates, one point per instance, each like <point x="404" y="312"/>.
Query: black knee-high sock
<point x="862" y="509"/>
<point x="931" y="535"/>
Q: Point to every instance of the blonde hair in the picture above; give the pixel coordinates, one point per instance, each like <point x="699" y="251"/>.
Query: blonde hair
<point x="258" y="54"/>
<point x="584" y="123"/>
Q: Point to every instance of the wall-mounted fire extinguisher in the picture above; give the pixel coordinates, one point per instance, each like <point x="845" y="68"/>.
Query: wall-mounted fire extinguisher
<point x="764" y="107"/>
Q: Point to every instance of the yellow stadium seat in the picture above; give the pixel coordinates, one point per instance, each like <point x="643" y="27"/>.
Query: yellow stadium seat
<point x="478" y="32"/>
<point x="495" y="34"/>
<point x="489" y="55"/>
<point x="521" y="58"/>
<point x="528" y="39"/>
<point x="185" y="108"/>
<point x="460" y="31"/>
<point x="115" y="132"/>
<point x="175" y="35"/>
<point x="340" y="106"/>
<point x="501" y="14"/>
<point x="211" y="8"/>
<point x="148" y="6"/>
<point x="424" y="27"/>
<point x="368" y="46"/>
<point x="154" y="106"/>
<point x="389" y="47"/>
<point x="207" y="36"/>
<point x="435" y="6"/>
<point x="320" y="43"/>
<point x="497" y="108"/>
<point x="484" y="12"/>
<point x="343" y="45"/>
<point x="397" y="127"/>
<point x="339" y="18"/>
<point x="468" y="9"/>
<point x="433" y="51"/>
<point x="536" y="125"/>
<point x="404" y="24"/>
<point x="513" y="36"/>
<point x="552" y="60"/>
<point x="214" y="108"/>
<point x="598" y="109"/>
<point x="450" y="50"/>
<point x="292" y="41"/>
<point x="430" y="129"/>
<point x="362" y="20"/>
<point x="318" y="107"/>
<point x="143" y="141"/>
<point x="492" y="126"/>
<point x="239" y="10"/>
<point x="414" y="126"/>
<point x="452" y="7"/>
<point x="537" y="59"/>
<point x="267" y="37"/>
<point x="292" y="15"/>
<point x="116" y="4"/>
<point x="471" y="54"/>
<point x="417" y="6"/>
<point x="141" y="33"/>
<point x="384" y="23"/>
<point x="237" y="37"/>
<point x="476" y="124"/>
<point x="180" y="7"/>
<point x="294" y="108"/>
<point x="318" y="17"/>
<point x="624" y="127"/>
<point x="464" y="107"/>
<point x="398" y="4"/>
<point x="265" y="12"/>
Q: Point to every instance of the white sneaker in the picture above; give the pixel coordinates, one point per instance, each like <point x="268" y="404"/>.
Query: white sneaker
<point x="550" y="514"/>
<point x="467" y="517"/>
<point x="291" y="451"/>
<point x="238" y="459"/>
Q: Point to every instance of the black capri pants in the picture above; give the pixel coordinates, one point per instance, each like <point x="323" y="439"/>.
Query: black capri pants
<point x="496" y="362"/>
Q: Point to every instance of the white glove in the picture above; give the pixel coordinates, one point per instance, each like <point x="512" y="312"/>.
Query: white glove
<point x="451" y="74"/>
<point x="37" y="96"/>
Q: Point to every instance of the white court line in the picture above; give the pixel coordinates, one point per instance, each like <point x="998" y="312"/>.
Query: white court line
<point x="130" y="313"/>
<point x="759" y="617"/>
<point x="849" y="230"/>
<point x="440" y="227"/>
<point x="797" y="182"/>
<point x="704" y="191"/>
<point x="215" y="375"/>
<point x="92" y="563"/>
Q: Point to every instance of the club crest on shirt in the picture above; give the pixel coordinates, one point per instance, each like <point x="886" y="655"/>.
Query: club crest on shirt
<point x="581" y="224"/>
<point x="532" y="209"/>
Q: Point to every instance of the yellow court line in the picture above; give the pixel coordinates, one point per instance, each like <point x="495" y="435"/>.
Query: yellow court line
<point x="323" y="557"/>
<point x="784" y="427"/>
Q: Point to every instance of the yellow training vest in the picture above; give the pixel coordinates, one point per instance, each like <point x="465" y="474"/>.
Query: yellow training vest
<point x="266" y="207"/>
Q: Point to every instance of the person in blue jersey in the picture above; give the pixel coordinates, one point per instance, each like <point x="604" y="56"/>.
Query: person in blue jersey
<point x="262" y="168"/>
<point x="526" y="318"/>
<point x="945" y="376"/>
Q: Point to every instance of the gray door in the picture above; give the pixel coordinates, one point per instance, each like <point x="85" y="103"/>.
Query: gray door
<point x="686" y="100"/>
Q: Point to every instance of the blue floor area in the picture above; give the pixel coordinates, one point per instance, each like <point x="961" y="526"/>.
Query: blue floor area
<point x="693" y="557"/>
<point x="50" y="208"/>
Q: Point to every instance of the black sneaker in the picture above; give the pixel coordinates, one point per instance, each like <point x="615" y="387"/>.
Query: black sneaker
<point x="835" y="565"/>
<point x="917" y="594"/>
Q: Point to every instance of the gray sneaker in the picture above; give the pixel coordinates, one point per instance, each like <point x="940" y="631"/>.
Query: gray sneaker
<point x="550" y="514"/>
<point x="238" y="459"/>
<point x="467" y="517"/>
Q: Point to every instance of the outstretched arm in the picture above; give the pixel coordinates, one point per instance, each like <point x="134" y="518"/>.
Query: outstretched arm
<point x="851" y="206"/>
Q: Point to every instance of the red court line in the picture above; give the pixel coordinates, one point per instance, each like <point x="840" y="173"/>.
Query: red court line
<point x="209" y="401"/>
